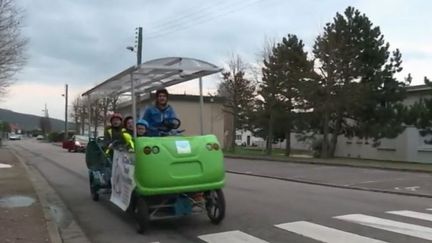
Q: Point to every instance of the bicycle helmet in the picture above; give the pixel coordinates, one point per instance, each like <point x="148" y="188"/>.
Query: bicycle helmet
<point x="116" y="115"/>
<point x="143" y="122"/>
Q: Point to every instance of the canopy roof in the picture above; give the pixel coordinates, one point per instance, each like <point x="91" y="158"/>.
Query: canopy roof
<point x="152" y="75"/>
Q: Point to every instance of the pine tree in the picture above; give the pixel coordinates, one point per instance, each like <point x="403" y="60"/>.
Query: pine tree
<point x="283" y="77"/>
<point x="357" y="92"/>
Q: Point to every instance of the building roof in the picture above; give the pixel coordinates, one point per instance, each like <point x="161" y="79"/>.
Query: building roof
<point x="418" y="88"/>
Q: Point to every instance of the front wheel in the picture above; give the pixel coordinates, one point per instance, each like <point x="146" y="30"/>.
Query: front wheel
<point x="141" y="215"/>
<point x="215" y="205"/>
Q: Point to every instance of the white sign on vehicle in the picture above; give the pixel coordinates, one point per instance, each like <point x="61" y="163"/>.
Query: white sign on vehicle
<point x="122" y="180"/>
<point x="183" y="147"/>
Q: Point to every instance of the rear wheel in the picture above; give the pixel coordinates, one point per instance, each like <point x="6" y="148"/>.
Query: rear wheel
<point x="215" y="205"/>
<point x="141" y="215"/>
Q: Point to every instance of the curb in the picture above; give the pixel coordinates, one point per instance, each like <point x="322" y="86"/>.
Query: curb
<point x="330" y="185"/>
<point x="324" y="163"/>
<point x="59" y="233"/>
<point x="53" y="230"/>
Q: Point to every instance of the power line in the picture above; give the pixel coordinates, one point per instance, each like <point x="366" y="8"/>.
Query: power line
<point x="182" y="16"/>
<point x="196" y="16"/>
<point x="202" y="19"/>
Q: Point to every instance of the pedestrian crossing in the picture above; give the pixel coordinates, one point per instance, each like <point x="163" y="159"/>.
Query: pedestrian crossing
<point x="412" y="214"/>
<point x="326" y="234"/>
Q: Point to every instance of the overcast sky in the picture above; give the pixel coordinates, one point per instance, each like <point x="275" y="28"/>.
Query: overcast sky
<point x="83" y="42"/>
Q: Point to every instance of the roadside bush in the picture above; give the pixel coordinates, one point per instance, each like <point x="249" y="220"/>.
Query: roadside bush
<point x="317" y="147"/>
<point x="55" y="137"/>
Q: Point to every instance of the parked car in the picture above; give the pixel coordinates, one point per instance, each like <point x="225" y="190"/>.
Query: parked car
<point x="76" y="144"/>
<point x="14" y="136"/>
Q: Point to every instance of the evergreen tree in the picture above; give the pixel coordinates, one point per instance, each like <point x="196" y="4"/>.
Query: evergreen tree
<point x="420" y="114"/>
<point x="357" y="92"/>
<point x="283" y="76"/>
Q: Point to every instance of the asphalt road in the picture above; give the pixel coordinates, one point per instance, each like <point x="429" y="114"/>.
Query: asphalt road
<point x="375" y="179"/>
<point x="258" y="209"/>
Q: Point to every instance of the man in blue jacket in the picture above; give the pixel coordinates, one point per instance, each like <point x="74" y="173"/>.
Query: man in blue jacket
<point x="157" y="113"/>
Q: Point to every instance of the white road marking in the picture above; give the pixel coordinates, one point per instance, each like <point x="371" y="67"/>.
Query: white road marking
<point x="235" y="236"/>
<point x="389" y="225"/>
<point x="412" y="214"/>
<point x="412" y="188"/>
<point x="325" y="234"/>
<point x="5" y="166"/>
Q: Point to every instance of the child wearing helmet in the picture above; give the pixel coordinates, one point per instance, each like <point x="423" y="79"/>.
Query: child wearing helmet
<point x="116" y="133"/>
<point x="141" y="127"/>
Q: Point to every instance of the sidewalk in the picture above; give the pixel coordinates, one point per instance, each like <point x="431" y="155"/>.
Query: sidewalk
<point x="414" y="183"/>
<point x="22" y="216"/>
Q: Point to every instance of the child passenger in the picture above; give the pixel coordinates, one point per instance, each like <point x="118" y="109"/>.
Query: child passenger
<point x="141" y="127"/>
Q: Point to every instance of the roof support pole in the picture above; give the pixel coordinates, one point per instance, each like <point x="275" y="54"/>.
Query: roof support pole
<point x="133" y="103"/>
<point x="201" y="106"/>
<point x="89" y="111"/>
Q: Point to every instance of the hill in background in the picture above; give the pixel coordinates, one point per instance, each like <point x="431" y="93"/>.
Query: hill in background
<point x="29" y="122"/>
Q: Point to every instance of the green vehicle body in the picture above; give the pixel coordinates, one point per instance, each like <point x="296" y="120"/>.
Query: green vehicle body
<point x="174" y="167"/>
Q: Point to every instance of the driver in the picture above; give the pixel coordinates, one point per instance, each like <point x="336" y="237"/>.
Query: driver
<point x="157" y="113"/>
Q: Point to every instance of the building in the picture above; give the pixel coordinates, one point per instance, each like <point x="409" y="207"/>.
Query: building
<point x="408" y="146"/>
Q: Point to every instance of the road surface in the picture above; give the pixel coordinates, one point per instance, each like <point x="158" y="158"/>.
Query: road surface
<point x="258" y="209"/>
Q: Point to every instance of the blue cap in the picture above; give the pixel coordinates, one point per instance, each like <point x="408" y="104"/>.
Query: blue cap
<point x="142" y="122"/>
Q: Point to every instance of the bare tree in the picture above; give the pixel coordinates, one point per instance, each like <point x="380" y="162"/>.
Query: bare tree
<point x="12" y="44"/>
<point x="238" y="92"/>
<point x="79" y="114"/>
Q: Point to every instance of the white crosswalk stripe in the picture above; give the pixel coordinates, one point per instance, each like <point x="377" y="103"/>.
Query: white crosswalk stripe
<point x="412" y="214"/>
<point x="235" y="236"/>
<point x="389" y="225"/>
<point x="325" y="234"/>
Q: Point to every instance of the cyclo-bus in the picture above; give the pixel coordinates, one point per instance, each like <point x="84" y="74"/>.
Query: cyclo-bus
<point x="167" y="176"/>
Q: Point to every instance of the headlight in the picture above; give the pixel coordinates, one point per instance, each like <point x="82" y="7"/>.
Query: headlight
<point x="155" y="149"/>
<point x="209" y="146"/>
<point x="147" y="150"/>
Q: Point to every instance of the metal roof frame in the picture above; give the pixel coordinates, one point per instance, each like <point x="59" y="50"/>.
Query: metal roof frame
<point x="153" y="74"/>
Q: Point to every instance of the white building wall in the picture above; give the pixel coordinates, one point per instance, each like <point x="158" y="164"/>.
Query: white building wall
<point x="408" y="146"/>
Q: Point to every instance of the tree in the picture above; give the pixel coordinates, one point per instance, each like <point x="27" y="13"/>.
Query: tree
<point x="357" y="85"/>
<point x="420" y="114"/>
<point x="45" y="125"/>
<point x="11" y="43"/>
<point x="283" y="76"/>
<point x="79" y="114"/>
<point x="238" y="92"/>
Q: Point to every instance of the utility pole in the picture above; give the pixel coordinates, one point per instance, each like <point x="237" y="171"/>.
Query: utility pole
<point x="139" y="45"/>
<point x="66" y="113"/>
<point x="45" y="124"/>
